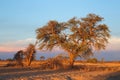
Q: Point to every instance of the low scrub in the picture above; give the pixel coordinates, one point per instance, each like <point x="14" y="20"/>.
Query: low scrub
<point x="92" y="60"/>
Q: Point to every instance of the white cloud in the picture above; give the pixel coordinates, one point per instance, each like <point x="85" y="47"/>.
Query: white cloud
<point x="114" y="44"/>
<point x="57" y="49"/>
<point x="16" y="45"/>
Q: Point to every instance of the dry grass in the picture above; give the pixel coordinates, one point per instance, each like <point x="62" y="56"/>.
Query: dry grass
<point x="81" y="71"/>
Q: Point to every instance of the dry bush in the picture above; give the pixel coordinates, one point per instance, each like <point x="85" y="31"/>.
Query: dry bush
<point x="13" y="64"/>
<point x="96" y="68"/>
<point x="92" y="60"/>
<point x="58" y="62"/>
<point x="52" y="63"/>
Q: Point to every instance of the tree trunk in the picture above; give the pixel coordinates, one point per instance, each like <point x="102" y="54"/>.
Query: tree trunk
<point x="71" y="60"/>
<point x="29" y="60"/>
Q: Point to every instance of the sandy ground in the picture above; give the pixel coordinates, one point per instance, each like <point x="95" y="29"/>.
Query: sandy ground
<point x="35" y="73"/>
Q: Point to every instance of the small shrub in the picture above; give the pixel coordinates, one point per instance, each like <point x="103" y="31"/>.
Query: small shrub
<point x="52" y="63"/>
<point x="92" y="60"/>
<point x="55" y="63"/>
<point x="42" y="58"/>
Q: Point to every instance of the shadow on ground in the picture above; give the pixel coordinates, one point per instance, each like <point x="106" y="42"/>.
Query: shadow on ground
<point x="114" y="76"/>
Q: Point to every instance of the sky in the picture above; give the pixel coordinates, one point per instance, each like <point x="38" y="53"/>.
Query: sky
<point x="20" y="18"/>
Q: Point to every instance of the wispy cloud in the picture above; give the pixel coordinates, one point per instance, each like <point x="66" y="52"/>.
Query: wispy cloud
<point x="16" y="45"/>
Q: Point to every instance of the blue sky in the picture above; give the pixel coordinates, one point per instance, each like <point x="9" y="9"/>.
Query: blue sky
<point x="20" y="18"/>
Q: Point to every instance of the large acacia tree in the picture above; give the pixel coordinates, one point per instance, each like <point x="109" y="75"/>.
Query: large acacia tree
<point x="78" y="37"/>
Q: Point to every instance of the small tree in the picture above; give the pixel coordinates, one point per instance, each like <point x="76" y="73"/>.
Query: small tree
<point x="30" y="54"/>
<point x="78" y="37"/>
<point x="19" y="57"/>
<point x="102" y="60"/>
<point x="42" y="57"/>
